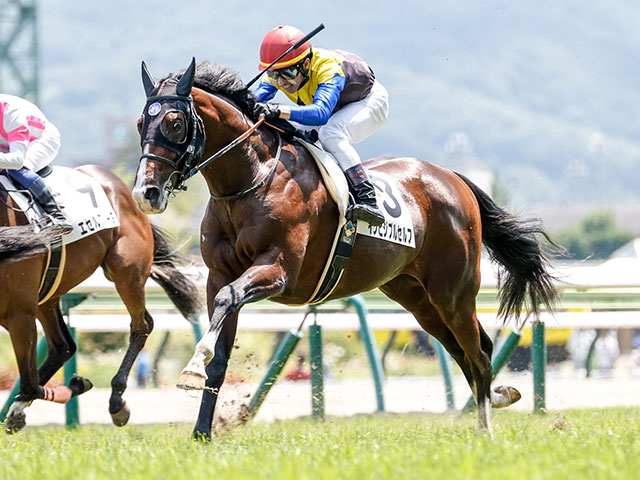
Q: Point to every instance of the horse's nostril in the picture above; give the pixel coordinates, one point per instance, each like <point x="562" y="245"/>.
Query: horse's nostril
<point x="152" y="194"/>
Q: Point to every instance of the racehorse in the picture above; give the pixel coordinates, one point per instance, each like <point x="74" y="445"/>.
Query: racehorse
<point x="269" y="226"/>
<point x="129" y="255"/>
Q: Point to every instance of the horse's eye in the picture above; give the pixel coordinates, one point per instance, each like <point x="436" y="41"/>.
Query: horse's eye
<point x="177" y="126"/>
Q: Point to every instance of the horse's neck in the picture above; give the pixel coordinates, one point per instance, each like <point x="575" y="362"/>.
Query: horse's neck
<point x="239" y="168"/>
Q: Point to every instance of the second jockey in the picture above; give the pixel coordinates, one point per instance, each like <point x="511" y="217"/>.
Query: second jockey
<point x="28" y="143"/>
<point x="333" y="90"/>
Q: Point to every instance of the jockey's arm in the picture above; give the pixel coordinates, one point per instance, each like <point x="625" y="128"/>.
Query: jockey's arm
<point x="324" y="101"/>
<point x="265" y="92"/>
<point x="14" y="158"/>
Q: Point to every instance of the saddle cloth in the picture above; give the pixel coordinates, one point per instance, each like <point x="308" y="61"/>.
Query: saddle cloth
<point x="398" y="225"/>
<point x="81" y="198"/>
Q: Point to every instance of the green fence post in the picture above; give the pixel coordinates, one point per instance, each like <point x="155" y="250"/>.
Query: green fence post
<point x="499" y="361"/>
<point x="445" y="365"/>
<point x="197" y="328"/>
<point x="68" y="301"/>
<point x="71" y="407"/>
<point x="539" y="362"/>
<point x="280" y="357"/>
<point x="317" y="372"/>
<point x="41" y="353"/>
<point x="372" y="349"/>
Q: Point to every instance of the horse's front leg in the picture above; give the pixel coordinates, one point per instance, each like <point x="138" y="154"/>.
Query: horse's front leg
<point x="61" y="348"/>
<point x="22" y="330"/>
<point x="216" y="370"/>
<point x="140" y="330"/>
<point x="264" y="279"/>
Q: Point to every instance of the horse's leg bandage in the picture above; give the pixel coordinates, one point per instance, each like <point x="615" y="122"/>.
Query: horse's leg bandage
<point x="60" y="394"/>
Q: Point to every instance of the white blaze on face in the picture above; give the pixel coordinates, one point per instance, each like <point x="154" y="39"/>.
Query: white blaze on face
<point x="140" y="189"/>
<point x="140" y="186"/>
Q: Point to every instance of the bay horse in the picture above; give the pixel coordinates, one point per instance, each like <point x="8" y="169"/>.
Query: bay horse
<point x="269" y="226"/>
<point x="129" y="255"/>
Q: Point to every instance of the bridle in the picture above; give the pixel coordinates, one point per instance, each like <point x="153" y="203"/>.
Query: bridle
<point x="190" y="155"/>
<point x="189" y="161"/>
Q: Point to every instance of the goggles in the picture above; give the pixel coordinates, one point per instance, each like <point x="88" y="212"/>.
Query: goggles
<point x="288" y="73"/>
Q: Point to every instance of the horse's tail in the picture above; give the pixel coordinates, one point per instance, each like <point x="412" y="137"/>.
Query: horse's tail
<point x="513" y="243"/>
<point x="180" y="289"/>
<point x="22" y="242"/>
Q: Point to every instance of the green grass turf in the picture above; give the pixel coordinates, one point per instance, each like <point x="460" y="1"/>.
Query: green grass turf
<point x="577" y="444"/>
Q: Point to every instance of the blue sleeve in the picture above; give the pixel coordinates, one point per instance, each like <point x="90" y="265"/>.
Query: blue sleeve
<point x="265" y="92"/>
<point x="324" y="101"/>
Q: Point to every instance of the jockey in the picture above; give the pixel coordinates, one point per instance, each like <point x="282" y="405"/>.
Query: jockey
<point x="334" y="90"/>
<point x="28" y="143"/>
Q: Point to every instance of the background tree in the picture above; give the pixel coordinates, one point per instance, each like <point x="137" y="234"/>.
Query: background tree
<point x="595" y="236"/>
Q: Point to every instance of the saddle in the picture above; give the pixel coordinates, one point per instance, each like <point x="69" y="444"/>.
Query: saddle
<point x="56" y="252"/>
<point x="87" y="208"/>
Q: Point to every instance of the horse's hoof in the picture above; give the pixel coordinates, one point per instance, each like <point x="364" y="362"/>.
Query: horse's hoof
<point x="79" y="385"/>
<point x="510" y="394"/>
<point x="191" y="381"/>
<point x="121" y="418"/>
<point x="202" y="437"/>
<point x="15" y="423"/>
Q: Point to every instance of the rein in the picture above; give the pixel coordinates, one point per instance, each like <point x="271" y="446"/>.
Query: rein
<point x="225" y="149"/>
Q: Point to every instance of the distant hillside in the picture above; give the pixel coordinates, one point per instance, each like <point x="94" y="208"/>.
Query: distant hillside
<point x="547" y="95"/>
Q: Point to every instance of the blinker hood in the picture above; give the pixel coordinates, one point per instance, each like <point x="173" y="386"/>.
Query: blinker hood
<point x="154" y="112"/>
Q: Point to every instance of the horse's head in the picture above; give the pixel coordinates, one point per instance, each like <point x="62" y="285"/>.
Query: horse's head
<point x="172" y="139"/>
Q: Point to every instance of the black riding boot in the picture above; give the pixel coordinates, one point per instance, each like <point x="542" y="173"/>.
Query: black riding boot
<point x="44" y="197"/>
<point x="366" y="208"/>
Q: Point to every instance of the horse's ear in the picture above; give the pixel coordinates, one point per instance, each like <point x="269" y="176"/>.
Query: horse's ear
<point x="186" y="82"/>
<point x="147" y="80"/>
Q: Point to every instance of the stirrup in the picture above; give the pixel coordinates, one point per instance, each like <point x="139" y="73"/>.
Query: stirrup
<point x="366" y="213"/>
<point x="59" y="222"/>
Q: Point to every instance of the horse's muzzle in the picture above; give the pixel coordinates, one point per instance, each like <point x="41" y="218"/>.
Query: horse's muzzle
<point x="150" y="199"/>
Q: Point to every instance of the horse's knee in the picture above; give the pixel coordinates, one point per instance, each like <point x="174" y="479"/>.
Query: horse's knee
<point x="224" y="300"/>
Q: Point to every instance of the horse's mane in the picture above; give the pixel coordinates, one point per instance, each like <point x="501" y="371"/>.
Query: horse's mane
<point x="224" y="81"/>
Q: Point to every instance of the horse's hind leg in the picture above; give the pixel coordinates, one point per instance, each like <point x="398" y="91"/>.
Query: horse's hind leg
<point x="61" y="348"/>
<point x="409" y="293"/>
<point x="59" y="341"/>
<point x="463" y="341"/>
<point x="460" y="318"/>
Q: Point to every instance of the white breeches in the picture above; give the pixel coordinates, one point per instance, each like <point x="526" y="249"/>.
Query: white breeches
<point x="352" y="124"/>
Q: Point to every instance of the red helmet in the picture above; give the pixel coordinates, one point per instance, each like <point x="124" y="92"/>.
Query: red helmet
<point x="278" y="41"/>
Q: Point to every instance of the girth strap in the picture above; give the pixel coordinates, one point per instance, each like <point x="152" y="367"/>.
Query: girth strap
<point x="56" y="259"/>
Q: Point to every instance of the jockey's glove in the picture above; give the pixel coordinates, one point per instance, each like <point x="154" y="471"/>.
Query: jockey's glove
<point x="269" y="110"/>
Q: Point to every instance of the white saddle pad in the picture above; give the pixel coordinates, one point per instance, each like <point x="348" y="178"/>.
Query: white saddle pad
<point x="398" y="225"/>
<point x="81" y="199"/>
